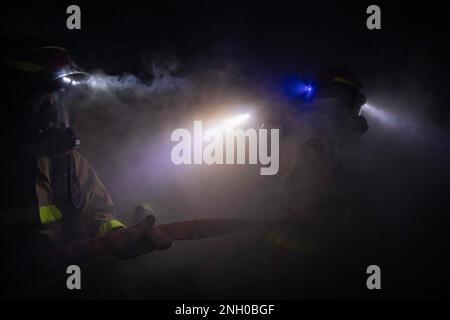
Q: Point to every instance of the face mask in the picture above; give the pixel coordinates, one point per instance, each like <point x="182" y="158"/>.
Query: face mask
<point x="46" y="110"/>
<point x="47" y="117"/>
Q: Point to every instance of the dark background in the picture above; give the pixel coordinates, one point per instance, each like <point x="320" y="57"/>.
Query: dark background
<point x="276" y="39"/>
<point x="404" y="66"/>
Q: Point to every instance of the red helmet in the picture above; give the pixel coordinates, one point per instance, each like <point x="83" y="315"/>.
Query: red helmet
<point x="33" y="65"/>
<point x="35" y="76"/>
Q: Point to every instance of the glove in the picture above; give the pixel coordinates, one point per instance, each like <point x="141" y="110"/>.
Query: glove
<point x="141" y="213"/>
<point x="144" y="211"/>
<point x="136" y="240"/>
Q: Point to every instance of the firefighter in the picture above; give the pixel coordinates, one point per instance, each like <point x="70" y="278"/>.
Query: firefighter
<point x="51" y="196"/>
<point x="315" y="136"/>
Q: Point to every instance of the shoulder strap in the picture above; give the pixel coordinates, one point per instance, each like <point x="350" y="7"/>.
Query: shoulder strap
<point x="61" y="183"/>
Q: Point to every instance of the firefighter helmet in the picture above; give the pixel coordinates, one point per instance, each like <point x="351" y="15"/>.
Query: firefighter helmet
<point x="335" y="80"/>
<point x="35" y="64"/>
<point x="36" y="75"/>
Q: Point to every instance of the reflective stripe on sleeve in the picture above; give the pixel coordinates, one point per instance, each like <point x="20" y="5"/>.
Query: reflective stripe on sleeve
<point x="106" y="227"/>
<point x="49" y="214"/>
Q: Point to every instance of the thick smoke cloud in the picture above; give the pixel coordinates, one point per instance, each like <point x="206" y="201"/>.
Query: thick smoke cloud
<point x="125" y="125"/>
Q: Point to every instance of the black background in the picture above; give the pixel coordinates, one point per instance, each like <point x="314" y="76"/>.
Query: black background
<point x="304" y="36"/>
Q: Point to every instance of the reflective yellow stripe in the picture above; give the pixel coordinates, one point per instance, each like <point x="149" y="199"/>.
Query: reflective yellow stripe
<point x="345" y="81"/>
<point x="106" y="227"/>
<point x="21" y="65"/>
<point x="49" y="213"/>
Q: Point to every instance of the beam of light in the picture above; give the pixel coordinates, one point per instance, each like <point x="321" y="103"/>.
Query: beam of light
<point x="105" y="82"/>
<point x="98" y="82"/>
<point x="231" y="123"/>
<point x="377" y="114"/>
<point x="414" y="129"/>
<point x="403" y="122"/>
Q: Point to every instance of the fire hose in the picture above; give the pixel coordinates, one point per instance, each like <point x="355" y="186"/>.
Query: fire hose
<point x="178" y="231"/>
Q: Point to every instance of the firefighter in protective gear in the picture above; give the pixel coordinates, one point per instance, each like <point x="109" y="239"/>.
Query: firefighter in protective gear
<point x="51" y="195"/>
<point x="316" y="137"/>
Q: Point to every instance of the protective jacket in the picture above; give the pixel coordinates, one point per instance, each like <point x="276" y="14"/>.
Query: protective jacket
<point x="60" y="199"/>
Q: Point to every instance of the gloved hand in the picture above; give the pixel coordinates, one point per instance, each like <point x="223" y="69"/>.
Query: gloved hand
<point x="136" y="240"/>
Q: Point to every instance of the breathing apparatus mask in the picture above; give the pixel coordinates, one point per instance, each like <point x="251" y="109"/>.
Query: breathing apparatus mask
<point x="47" y="120"/>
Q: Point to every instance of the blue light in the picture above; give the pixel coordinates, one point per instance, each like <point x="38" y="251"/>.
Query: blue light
<point x="296" y="87"/>
<point x="309" y="92"/>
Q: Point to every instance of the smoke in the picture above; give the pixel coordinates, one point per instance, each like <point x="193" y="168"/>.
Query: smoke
<point x="125" y="124"/>
<point x="121" y="121"/>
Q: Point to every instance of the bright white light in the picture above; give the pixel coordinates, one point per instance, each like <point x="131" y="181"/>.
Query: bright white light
<point x="231" y="123"/>
<point x="100" y="82"/>
<point x="392" y="119"/>
<point x="380" y="115"/>
<point x="70" y="81"/>
<point x="67" y="80"/>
